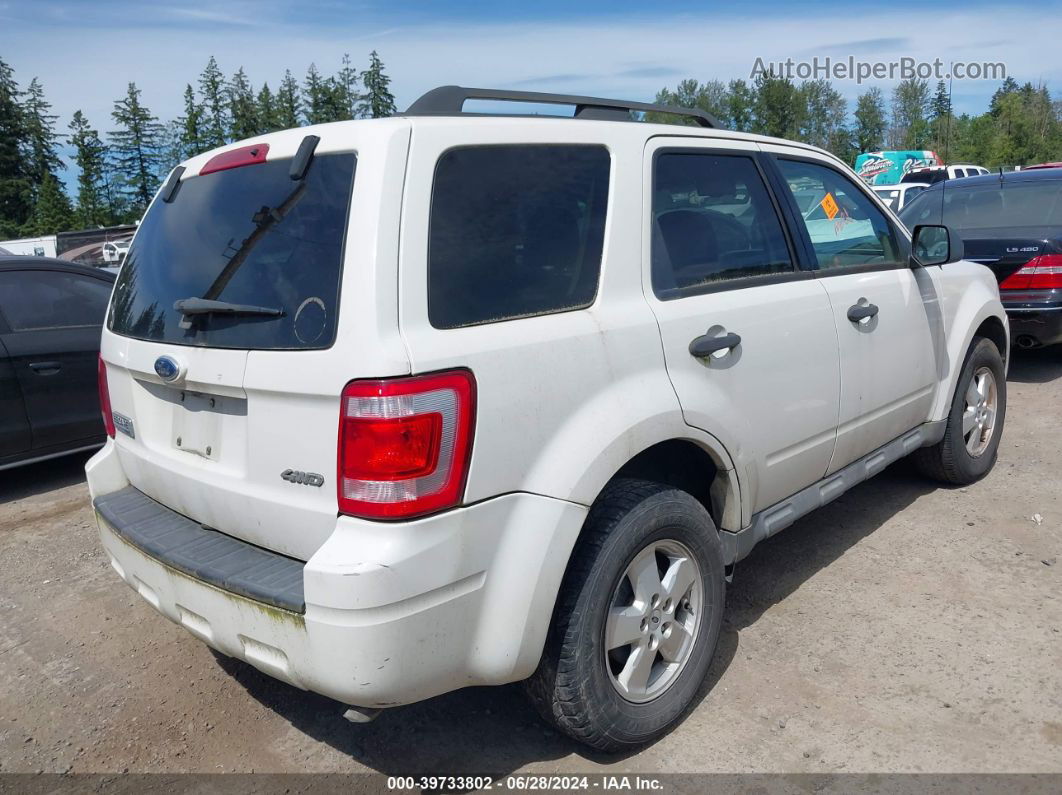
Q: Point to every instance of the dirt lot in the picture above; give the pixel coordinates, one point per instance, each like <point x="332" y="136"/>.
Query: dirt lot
<point x="903" y="628"/>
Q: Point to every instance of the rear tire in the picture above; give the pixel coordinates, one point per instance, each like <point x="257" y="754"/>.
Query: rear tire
<point x="596" y="694"/>
<point x="975" y="422"/>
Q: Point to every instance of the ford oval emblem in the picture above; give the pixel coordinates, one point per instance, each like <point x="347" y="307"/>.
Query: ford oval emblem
<point x="166" y="368"/>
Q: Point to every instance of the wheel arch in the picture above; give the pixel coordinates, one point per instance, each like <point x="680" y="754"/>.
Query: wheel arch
<point x="973" y="318"/>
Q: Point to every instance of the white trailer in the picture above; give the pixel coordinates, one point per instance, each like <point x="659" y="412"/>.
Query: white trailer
<point x="30" y="246"/>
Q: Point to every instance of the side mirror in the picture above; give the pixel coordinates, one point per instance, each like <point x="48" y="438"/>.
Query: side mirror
<point x="935" y="245"/>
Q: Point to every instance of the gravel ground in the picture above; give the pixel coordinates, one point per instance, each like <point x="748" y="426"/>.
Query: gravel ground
<point x="903" y="628"/>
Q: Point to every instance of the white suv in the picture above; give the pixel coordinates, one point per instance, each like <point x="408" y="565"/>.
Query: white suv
<point x="404" y="405"/>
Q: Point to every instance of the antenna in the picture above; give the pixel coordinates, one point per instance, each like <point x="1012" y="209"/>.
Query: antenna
<point x="951" y="112"/>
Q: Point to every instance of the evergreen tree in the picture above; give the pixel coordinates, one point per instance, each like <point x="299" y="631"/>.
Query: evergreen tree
<point x="266" y="109"/>
<point x="346" y="84"/>
<point x="869" y="130"/>
<point x="243" y="112"/>
<point x="171" y="147"/>
<point x="941" y="119"/>
<point x="190" y="126"/>
<point x="1010" y="86"/>
<point x="136" y="147"/>
<point x="324" y="100"/>
<point x="910" y="103"/>
<point x="941" y="103"/>
<point x="16" y="194"/>
<point x="52" y="212"/>
<point x="212" y="94"/>
<point x="93" y="205"/>
<point x="316" y="91"/>
<point x="377" y="101"/>
<point x="288" y="103"/>
<point x="41" y="139"/>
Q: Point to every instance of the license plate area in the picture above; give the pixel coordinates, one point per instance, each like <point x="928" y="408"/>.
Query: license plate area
<point x="197" y="424"/>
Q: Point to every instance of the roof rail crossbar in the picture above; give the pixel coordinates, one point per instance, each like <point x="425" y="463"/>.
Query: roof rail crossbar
<point x="450" y="101"/>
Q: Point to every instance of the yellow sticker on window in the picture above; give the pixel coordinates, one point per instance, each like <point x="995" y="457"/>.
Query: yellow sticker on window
<point x="829" y="205"/>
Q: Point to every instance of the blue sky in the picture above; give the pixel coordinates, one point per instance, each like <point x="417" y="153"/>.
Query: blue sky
<point x="86" y="52"/>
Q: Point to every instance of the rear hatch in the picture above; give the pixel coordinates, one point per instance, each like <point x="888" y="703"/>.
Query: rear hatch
<point x="225" y="348"/>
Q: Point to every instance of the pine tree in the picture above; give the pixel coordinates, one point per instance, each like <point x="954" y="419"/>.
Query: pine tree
<point x="377" y="101"/>
<point x="318" y="94"/>
<point x="16" y="194"/>
<point x="191" y="126"/>
<point x="288" y="102"/>
<point x="212" y="95"/>
<point x="243" y="112"/>
<point x="266" y="110"/>
<point x="869" y="130"/>
<point x="941" y="118"/>
<point x="347" y="96"/>
<point x="93" y="207"/>
<point x="941" y="104"/>
<point x="42" y="141"/>
<point x="136" y="147"/>
<point x="1010" y="86"/>
<point x="52" y="212"/>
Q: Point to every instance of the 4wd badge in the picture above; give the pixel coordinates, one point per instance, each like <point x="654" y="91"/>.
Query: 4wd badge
<point x="302" y="478"/>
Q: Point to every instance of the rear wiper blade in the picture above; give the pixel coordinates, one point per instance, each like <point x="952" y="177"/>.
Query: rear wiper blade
<point x="190" y="307"/>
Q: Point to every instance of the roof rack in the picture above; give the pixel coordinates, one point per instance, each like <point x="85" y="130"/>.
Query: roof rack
<point x="450" y="101"/>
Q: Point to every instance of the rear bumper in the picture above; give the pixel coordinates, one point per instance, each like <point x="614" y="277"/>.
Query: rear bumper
<point x="393" y="613"/>
<point x="1034" y="322"/>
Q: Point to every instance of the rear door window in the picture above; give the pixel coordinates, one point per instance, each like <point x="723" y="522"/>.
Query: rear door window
<point x="249" y="236"/>
<point x="40" y="299"/>
<point x="515" y="231"/>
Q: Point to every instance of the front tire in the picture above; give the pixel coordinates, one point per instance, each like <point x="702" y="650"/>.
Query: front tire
<point x="975" y="421"/>
<point x="637" y="620"/>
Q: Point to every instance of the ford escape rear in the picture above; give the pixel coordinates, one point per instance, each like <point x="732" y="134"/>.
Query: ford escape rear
<point x="404" y="405"/>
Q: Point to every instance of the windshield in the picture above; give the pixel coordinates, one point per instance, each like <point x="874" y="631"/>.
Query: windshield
<point x="988" y="206"/>
<point x="248" y="236"/>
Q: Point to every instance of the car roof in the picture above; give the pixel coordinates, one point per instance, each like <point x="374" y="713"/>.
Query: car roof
<point x="1008" y="177"/>
<point x="15" y="262"/>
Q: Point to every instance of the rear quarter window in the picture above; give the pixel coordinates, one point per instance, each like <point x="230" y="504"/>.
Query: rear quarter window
<point x="515" y="231"/>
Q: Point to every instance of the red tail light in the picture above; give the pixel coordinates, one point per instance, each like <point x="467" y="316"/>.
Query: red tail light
<point x="234" y="158"/>
<point x="405" y="444"/>
<point x="1041" y="273"/>
<point x="105" y="397"/>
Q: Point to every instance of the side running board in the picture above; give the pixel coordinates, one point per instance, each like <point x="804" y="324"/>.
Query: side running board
<point x="778" y="517"/>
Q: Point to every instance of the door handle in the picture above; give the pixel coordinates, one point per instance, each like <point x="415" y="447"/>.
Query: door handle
<point x="705" y="346"/>
<point x="46" y="368"/>
<point x="860" y="312"/>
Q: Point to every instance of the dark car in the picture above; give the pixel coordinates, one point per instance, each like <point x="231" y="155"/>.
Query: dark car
<point x="51" y="313"/>
<point x="1012" y="223"/>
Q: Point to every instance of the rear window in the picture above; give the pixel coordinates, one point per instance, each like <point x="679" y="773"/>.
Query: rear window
<point x="515" y="231"/>
<point x="989" y="206"/>
<point x="250" y="236"/>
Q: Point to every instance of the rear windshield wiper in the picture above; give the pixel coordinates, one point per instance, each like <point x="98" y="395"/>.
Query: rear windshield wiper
<point x="189" y="307"/>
